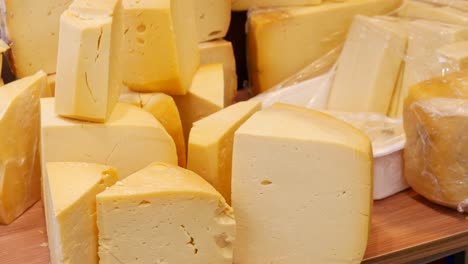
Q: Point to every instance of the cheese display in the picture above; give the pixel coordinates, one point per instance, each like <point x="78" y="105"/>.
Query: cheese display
<point x="210" y="145"/>
<point x="164" y="214"/>
<point x="242" y="5"/>
<point x="164" y="109"/>
<point x="88" y="66"/>
<point x="221" y="51"/>
<point x="436" y="125"/>
<point x="19" y="129"/>
<point x="454" y="57"/>
<point x="212" y="18"/>
<point x="129" y="140"/>
<point x="278" y="46"/>
<point x="285" y="179"/>
<point x="71" y="190"/>
<point x="160" y="51"/>
<point x="420" y="10"/>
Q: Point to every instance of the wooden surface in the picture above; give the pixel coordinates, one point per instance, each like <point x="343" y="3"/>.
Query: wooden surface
<point x="405" y="228"/>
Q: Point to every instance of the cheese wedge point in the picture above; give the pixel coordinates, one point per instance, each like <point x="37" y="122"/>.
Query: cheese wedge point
<point x="212" y="18"/>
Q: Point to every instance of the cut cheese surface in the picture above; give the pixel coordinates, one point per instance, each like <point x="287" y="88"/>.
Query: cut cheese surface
<point x="454" y="57"/>
<point x="129" y="140"/>
<point x="175" y="216"/>
<point x="243" y="5"/>
<point x="420" y="10"/>
<point x="164" y="109"/>
<point x="212" y="18"/>
<point x="70" y="206"/>
<point x="160" y="45"/>
<point x="285" y="175"/>
<point x="19" y="129"/>
<point x="210" y="144"/>
<point x="278" y="47"/>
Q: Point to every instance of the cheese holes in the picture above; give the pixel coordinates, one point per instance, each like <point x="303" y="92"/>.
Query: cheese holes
<point x="141" y="28"/>
<point x="266" y="182"/>
<point x="144" y="203"/>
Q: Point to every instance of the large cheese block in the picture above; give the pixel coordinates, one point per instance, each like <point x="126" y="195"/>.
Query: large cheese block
<point x="243" y="5"/>
<point x="420" y="10"/>
<point x="436" y="125"/>
<point x="221" y="51"/>
<point x="278" y="46"/>
<point x="88" y="66"/>
<point x="160" y="45"/>
<point x="19" y="130"/>
<point x="210" y="145"/>
<point x="288" y="189"/>
<point x="212" y="18"/>
<point x="130" y="139"/>
<point x="164" y="109"/>
<point x="70" y="206"/>
<point x="454" y="57"/>
<point x="164" y="214"/>
<point x="367" y="86"/>
<point x="32" y="29"/>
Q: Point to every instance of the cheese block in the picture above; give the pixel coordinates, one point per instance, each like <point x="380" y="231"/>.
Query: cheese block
<point x="458" y="4"/>
<point x="88" y="67"/>
<point x="164" y="109"/>
<point x="454" y="57"/>
<point x="212" y="19"/>
<point x="422" y="62"/>
<point x="70" y="206"/>
<point x="205" y="96"/>
<point x="160" y="45"/>
<point x="210" y="145"/>
<point x="243" y="5"/>
<point x="129" y="140"/>
<point x="32" y="28"/>
<point x="19" y="130"/>
<point x="287" y="189"/>
<point x="278" y="46"/>
<point x="394" y="103"/>
<point x="221" y="51"/>
<point x="419" y="10"/>
<point x="367" y="86"/>
<point x="164" y="214"/>
<point x="436" y="125"/>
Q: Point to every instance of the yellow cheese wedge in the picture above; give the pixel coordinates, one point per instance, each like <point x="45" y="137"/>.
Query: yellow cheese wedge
<point x="164" y="109"/>
<point x="278" y="46"/>
<point x="243" y="5"/>
<point x="88" y="67"/>
<point x="33" y="27"/>
<point x="454" y="57"/>
<point x="70" y="206"/>
<point x="297" y="175"/>
<point x="212" y="18"/>
<point x="19" y="130"/>
<point x="210" y="144"/>
<point x="420" y="10"/>
<point x="130" y="139"/>
<point x="221" y="51"/>
<point x="164" y="214"/>
<point x="160" y="45"/>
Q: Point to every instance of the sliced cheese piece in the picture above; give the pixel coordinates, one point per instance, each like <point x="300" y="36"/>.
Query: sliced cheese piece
<point x="32" y="27"/>
<point x="19" y="129"/>
<point x="210" y="145"/>
<point x="164" y="109"/>
<point x="212" y="18"/>
<point x="368" y="67"/>
<point x="221" y="51"/>
<point x="88" y="67"/>
<point x="130" y="139"/>
<point x="160" y="45"/>
<point x="278" y="46"/>
<point x="243" y="5"/>
<point x="164" y="214"/>
<point x="70" y="206"/>
<point x="454" y="57"/>
<point x="419" y="10"/>
<point x="285" y="175"/>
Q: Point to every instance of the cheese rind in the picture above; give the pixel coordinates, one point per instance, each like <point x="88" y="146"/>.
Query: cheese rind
<point x="212" y="18"/>
<point x="243" y="5"/>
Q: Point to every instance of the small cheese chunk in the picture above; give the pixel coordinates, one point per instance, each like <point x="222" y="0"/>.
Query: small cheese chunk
<point x="19" y="129"/>
<point x="164" y="214"/>
<point x="130" y="139"/>
<point x="243" y="5"/>
<point x="419" y="10"/>
<point x="221" y="51"/>
<point x="210" y="145"/>
<point x="301" y="188"/>
<point x="454" y="57"/>
<point x="88" y="67"/>
<point x="164" y="109"/>
<point x="160" y="45"/>
<point x="70" y="205"/>
<point x="212" y="18"/>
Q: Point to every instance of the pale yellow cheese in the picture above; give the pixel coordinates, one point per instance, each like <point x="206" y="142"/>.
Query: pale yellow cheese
<point x="164" y="214"/>
<point x="70" y="206"/>
<point x="221" y="51"/>
<point x="283" y="41"/>
<point x="160" y="45"/>
<point x="164" y="109"/>
<point x="19" y="130"/>
<point x="130" y="139"/>
<point x="210" y="144"/>
<point x="243" y="5"/>
<point x="458" y="4"/>
<point x="419" y="10"/>
<point x="212" y="18"/>
<point x="454" y="56"/>
<point x="301" y="188"/>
